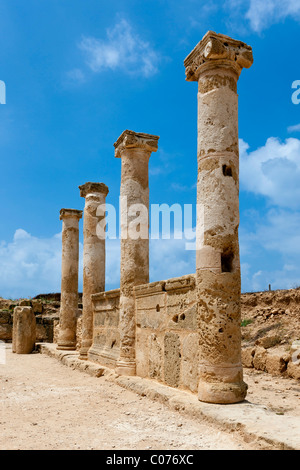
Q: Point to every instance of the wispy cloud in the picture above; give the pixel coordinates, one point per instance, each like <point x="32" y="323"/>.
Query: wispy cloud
<point x="122" y="49"/>
<point x="262" y="14"/>
<point x="75" y="77"/>
<point x="29" y="265"/>
<point x="269" y="239"/>
<point x="273" y="171"/>
<point x="295" y="128"/>
<point x="270" y="250"/>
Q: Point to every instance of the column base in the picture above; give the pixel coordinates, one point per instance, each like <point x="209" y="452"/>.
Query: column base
<point x="126" y="368"/>
<point x="83" y="356"/>
<point x="66" y="347"/>
<point x="222" y="393"/>
<point x="83" y="352"/>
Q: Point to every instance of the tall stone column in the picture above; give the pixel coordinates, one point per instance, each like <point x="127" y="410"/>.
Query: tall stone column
<point x="69" y="279"/>
<point x="135" y="150"/>
<point x="93" y="258"/>
<point x="216" y="63"/>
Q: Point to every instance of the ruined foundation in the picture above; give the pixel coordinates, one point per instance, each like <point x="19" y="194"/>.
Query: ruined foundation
<point x="184" y="332"/>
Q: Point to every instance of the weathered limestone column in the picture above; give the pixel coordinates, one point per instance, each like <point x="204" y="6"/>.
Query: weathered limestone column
<point x="135" y="150"/>
<point x="24" y="330"/>
<point x="93" y="258"/>
<point x="216" y="63"/>
<point x="69" y="279"/>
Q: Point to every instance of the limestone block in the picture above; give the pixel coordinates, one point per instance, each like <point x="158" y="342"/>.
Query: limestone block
<point x="190" y="357"/>
<point x="259" y="360"/>
<point x="37" y="306"/>
<point x="184" y="318"/>
<point x="155" y="357"/>
<point x="293" y="370"/>
<point x="276" y="362"/>
<point x="5" y="332"/>
<point x="247" y="356"/>
<point x="24" y="330"/>
<point x="172" y="359"/>
<point x="25" y="303"/>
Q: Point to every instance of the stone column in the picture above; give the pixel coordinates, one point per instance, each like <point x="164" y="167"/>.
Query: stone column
<point x="69" y="279"/>
<point x="135" y="150"/>
<point x="216" y="63"/>
<point x="93" y="258"/>
<point x="24" y="330"/>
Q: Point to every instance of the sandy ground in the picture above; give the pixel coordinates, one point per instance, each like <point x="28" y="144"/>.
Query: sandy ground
<point x="278" y="394"/>
<point x="46" y="405"/>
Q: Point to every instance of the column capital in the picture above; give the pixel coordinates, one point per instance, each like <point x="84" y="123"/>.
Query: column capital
<point x="70" y="213"/>
<point x="89" y="188"/>
<point x="130" y="139"/>
<point x="217" y="50"/>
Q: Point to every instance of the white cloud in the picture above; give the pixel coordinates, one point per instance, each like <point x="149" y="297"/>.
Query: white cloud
<point x="123" y="49"/>
<point x="75" y="77"/>
<point x="32" y="265"/>
<point x="272" y="171"/>
<point x="270" y="250"/>
<point x="29" y="265"/>
<point x="262" y="14"/>
<point x="169" y="258"/>
<point x="270" y="242"/>
<point x="295" y="128"/>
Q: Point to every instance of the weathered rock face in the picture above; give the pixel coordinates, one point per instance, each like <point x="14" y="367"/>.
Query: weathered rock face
<point x="106" y="334"/>
<point x="93" y="257"/>
<point x="216" y="63"/>
<point x="134" y="149"/>
<point x="24" y="330"/>
<point x="69" y="281"/>
<point x="167" y="342"/>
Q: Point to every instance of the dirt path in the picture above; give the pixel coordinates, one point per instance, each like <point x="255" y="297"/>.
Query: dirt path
<point x="278" y="394"/>
<point x="46" y="405"/>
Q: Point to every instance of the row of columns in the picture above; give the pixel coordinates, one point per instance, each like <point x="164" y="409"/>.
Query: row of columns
<point x="215" y="63"/>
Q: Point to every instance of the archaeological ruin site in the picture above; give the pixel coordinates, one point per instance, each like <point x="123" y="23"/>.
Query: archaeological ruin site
<point x="194" y="333"/>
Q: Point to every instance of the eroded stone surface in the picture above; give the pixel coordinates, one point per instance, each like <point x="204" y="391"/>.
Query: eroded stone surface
<point x="216" y="63"/>
<point x="24" y="330"/>
<point x="172" y="359"/>
<point x="135" y="150"/>
<point x="93" y="257"/>
<point x="69" y="280"/>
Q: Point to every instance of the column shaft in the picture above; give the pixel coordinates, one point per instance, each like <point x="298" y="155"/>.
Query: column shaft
<point x="216" y="63"/>
<point x="93" y="257"/>
<point x="135" y="150"/>
<point x="69" y="280"/>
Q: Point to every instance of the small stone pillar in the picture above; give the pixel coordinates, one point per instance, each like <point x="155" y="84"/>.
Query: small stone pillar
<point x="135" y="150"/>
<point x="24" y="330"/>
<point x="216" y="63"/>
<point x="69" y="279"/>
<point x="93" y="258"/>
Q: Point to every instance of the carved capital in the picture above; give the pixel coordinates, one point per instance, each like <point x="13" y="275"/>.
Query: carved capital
<point x="130" y="140"/>
<point x="70" y="213"/>
<point x="89" y="188"/>
<point x="216" y="50"/>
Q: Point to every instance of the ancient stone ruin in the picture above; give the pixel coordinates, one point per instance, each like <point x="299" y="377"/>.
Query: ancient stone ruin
<point x="184" y="332"/>
<point x="24" y="330"/>
<point x="216" y="64"/>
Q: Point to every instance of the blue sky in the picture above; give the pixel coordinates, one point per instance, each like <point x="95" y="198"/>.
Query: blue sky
<point x="78" y="73"/>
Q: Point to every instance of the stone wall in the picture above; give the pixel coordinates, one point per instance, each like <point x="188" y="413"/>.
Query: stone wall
<point x="46" y="313"/>
<point x="167" y="343"/>
<point x="106" y="335"/>
<point x="166" y="333"/>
